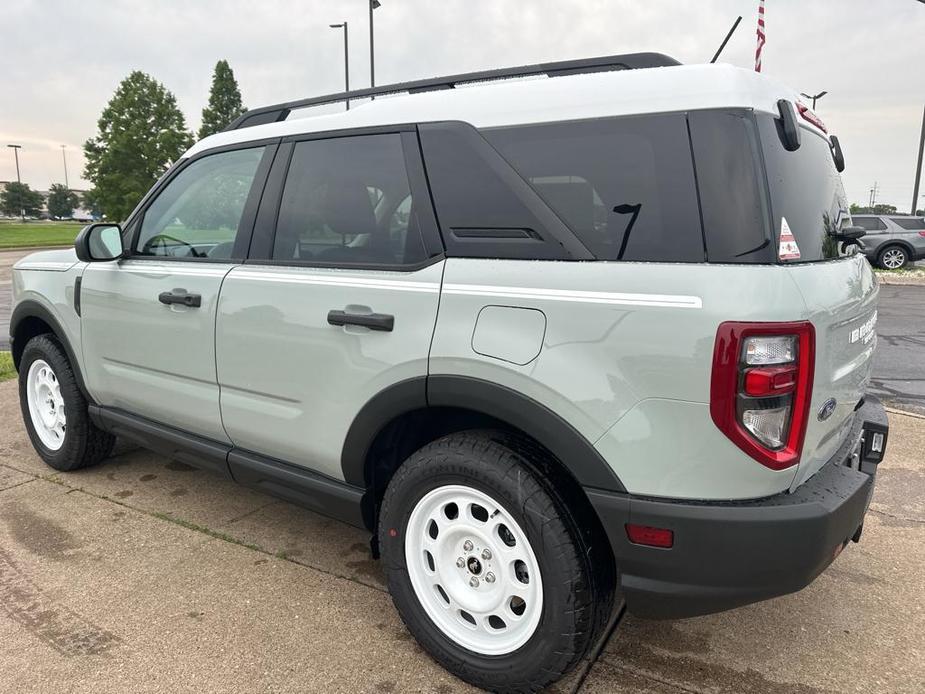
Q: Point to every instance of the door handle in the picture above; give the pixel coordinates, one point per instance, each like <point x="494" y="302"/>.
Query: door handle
<point x="373" y="321"/>
<point x="180" y="296"/>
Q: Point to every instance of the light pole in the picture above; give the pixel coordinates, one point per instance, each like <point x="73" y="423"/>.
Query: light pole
<point x="817" y="96"/>
<point x="64" y="159"/>
<point x="22" y="211"/>
<point x="346" y="59"/>
<point x="373" y="4"/>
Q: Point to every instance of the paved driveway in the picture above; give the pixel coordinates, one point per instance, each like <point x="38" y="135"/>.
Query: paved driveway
<point x="143" y="574"/>
<point x="899" y="365"/>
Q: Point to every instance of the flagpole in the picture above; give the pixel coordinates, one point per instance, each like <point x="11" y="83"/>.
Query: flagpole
<point x="761" y="37"/>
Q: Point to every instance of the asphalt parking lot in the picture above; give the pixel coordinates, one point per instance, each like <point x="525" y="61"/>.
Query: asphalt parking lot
<point x="146" y="575"/>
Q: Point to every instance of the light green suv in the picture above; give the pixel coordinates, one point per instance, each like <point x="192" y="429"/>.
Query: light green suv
<point x="559" y="344"/>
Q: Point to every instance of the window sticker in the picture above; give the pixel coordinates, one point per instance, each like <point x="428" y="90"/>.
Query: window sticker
<point x="788" y="248"/>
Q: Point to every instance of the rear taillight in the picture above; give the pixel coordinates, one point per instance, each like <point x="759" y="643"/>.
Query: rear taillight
<point x="761" y="388"/>
<point x="922" y="233"/>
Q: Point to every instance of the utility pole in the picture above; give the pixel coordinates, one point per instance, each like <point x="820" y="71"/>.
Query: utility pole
<point x="873" y="196"/>
<point x="64" y="158"/>
<point x="373" y="4"/>
<point x="22" y="210"/>
<point x="346" y="59"/>
<point x="918" y="166"/>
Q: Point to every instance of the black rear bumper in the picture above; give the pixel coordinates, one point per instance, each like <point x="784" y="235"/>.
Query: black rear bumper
<point x="728" y="554"/>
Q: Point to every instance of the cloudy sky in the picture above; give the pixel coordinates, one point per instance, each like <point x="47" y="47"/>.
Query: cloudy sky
<point x="61" y="60"/>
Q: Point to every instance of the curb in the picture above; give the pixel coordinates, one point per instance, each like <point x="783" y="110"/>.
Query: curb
<point x="13" y="249"/>
<point x="905" y="413"/>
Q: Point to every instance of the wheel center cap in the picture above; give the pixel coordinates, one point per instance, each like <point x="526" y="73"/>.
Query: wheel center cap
<point x="474" y="566"/>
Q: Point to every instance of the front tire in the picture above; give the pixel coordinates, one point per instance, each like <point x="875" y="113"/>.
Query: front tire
<point x="486" y="566"/>
<point x="893" y="258"/>
<point x="55" y="411"/>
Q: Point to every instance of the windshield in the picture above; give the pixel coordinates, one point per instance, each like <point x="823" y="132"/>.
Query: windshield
<point x="808" y="204"/>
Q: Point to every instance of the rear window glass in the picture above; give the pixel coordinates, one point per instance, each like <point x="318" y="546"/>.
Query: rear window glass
<point x="869" y="223"/>
<point x="910" y="223"/>
<point x="806" y="191"/>
<point x="624" y="186"/>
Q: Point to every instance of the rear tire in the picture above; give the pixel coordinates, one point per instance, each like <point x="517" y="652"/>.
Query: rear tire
<point x="893" y="258"/>
<point x="55" y="411"/>
<point x="544" y="604"/>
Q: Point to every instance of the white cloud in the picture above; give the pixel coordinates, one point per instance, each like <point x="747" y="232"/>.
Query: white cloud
<point x="62" y="60"/>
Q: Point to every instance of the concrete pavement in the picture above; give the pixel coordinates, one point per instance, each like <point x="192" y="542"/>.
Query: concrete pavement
<point x="145" y="575"/>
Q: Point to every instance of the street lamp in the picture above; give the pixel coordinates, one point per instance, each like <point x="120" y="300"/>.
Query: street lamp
<point x="373" y="4"/>
<point x="346" y="59"/>
<point x="22" y="210"/>
<point x="64" y="159"/>
<point x="817" y="96"/>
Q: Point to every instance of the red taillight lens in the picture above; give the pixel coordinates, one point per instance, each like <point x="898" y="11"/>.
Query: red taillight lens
<point x="649" y="536"/>
<point x="922" y="233"/>
<point x="761" y="388"/>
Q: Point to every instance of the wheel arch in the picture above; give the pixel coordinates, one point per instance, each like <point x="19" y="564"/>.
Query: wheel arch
<point x="29" y="319"/>
<point x="905" y="245"/>
<point x="407" y="415"/>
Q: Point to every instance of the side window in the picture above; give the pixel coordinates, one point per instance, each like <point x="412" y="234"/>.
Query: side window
<point x="871" y="224"/>
<point x="909" y="223"/>
<point x="624" y="186"/>
<point x="347" y="200"/>
<point x="197" y="214"/>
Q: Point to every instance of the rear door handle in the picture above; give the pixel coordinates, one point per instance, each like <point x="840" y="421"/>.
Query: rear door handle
<point x="180" y="296"/>
<point x="373" y="321"/>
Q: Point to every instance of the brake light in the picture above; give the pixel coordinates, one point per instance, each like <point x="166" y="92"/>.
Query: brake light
<point x="922" y="233"/>
<point x="811" y="117"/>
<point x="761" y="387"/>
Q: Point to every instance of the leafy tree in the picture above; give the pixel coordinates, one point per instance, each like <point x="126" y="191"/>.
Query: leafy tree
<point x="879" y="208"/>
<point x="141" y="132"/>
<point x="61" y="201"/>
<point x="19" y="196"/>
<point x="224" y="101"/>
<point x="90" y="202"/>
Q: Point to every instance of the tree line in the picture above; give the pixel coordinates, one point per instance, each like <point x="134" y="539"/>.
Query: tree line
<point x="140" y="133"/>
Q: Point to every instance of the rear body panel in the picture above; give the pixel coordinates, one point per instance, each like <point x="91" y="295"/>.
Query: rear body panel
<point x="841" y="301"/>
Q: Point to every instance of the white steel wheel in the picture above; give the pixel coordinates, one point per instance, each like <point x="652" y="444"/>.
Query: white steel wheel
<point x="46" y="405"/>
<point x="473" y="570"/>
<point x="893" y="258"/>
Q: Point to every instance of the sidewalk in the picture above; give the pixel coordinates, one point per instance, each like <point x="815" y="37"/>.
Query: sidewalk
<point x="146" y="575"/>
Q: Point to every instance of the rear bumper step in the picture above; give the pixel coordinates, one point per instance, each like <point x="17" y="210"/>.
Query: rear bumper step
<point x="728" y="554"/>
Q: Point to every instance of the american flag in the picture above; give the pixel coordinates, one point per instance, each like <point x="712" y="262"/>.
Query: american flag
<point x="760" y="36"/>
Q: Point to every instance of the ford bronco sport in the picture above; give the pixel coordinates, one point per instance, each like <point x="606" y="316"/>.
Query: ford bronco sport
<point x="601" y="335"/>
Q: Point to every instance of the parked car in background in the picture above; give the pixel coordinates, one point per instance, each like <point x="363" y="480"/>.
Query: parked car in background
<point x="892" y="242"/>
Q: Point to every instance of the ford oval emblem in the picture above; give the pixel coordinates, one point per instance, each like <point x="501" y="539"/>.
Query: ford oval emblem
<point x="828" y="407"/>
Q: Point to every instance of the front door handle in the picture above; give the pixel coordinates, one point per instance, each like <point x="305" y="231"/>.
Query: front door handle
<point x="180" y="296"/>
<point x="373" y="321"/>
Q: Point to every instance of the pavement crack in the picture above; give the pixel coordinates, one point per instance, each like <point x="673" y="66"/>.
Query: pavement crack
<point x="896" y="516"/>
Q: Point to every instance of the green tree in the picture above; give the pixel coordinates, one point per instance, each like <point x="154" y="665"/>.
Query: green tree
<point x="90" y="202"/>
<point x="61" y="201"/>
<point x="224" y="101"/>
<point x="19" y="196"/>
<point x="141" y="132"/>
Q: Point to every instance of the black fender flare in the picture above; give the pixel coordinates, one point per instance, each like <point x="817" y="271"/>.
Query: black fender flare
<point x="30" y="308"/>
<point x="573" y="450"/>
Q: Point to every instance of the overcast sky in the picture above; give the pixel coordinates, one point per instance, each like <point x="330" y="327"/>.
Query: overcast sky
<point x="61" y="60"/>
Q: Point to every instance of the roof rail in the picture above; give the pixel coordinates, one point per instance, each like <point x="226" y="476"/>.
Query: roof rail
<point x="629" y="61"/>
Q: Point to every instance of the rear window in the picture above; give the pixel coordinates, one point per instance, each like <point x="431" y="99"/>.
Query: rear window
<point x="806" y="192"/>
<point x="910" y="223"/>
<point x="624" y="186"/>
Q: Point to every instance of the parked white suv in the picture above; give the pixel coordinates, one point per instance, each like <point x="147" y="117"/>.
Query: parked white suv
<point x="597" y="336"/>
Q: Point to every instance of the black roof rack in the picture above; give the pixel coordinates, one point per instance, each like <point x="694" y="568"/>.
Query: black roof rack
<point x="630" y="61"/>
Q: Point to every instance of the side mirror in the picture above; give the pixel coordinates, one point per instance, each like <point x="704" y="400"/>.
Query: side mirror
<point x="788" y="128"/>
<point x="99" y="242"/>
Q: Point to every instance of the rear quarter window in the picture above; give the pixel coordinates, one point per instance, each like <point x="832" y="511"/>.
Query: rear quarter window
<point x="624" y="186"/>
<point x="909" y="223"/>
